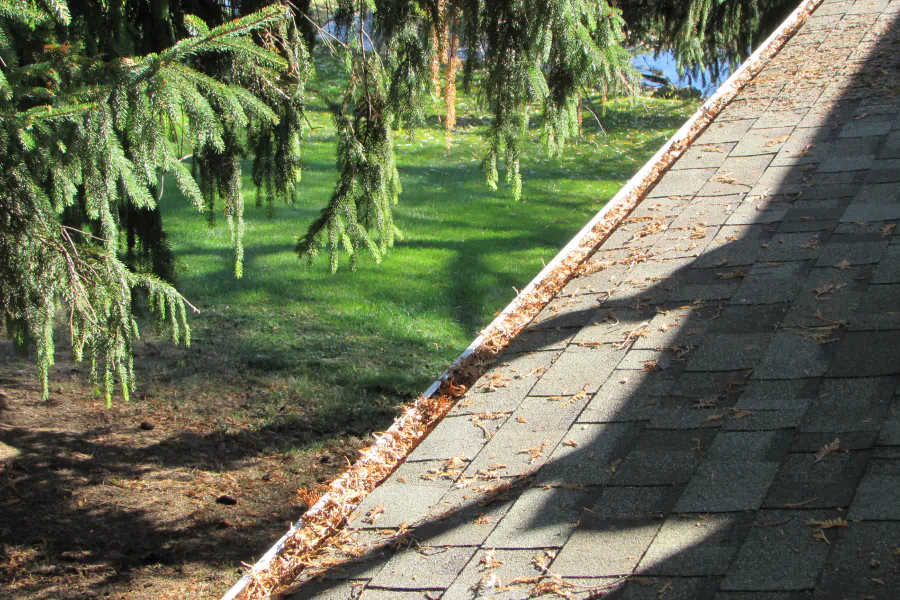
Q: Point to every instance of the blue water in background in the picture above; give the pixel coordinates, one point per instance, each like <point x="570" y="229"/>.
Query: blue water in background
<point x="665" y="63"/>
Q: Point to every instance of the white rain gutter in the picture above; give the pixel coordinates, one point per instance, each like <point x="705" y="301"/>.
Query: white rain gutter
<point x="726" y="92"/>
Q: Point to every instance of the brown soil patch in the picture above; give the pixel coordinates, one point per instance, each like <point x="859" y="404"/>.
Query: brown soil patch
<point x="122" y="502"/>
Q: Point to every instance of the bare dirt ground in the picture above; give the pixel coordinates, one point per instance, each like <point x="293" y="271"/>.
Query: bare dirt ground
<point x="163" y="497"/>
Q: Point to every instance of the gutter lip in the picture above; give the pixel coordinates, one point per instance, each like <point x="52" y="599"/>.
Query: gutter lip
<point x="730" y="87"/>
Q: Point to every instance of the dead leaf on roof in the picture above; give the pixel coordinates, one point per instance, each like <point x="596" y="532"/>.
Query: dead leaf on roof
<point x="536" y="371"/>
<point x="521" y="419"/>
<point x="829" y="448"/>
<point x="478" y="420"/>
<point x="661" y="590"/>
<point x="373" y="515"/>
<point x="489" y="560"/>
<point x="736" y="274"/>
<point x="632" y="336"/>
<point x="706" y="403"/>
<point x="774" y="142"/>
<point x="456" y="391"/>
<point x="573" y="487"/>
<point x="811" y="244"/>
<point x="828" y="523"/>
<point x="496" y="381"/>
<point x="818" y="534"/>
<point x="652" y="365"/>
<point x="553" y="587"/>
<point x="827" y="289"/>
<point x="698" y="232"/>
<point x="843" y="265"/>
<point x="888" y="229"/>
<point x="725" y="178"/>
<point x="577" y="397"/>
<point x="536" y="452"/>
<point x="739" y="414"/>
<point x="721" y="262"/>
<point x="655" y="226"/>
<point x="571" y="443"/>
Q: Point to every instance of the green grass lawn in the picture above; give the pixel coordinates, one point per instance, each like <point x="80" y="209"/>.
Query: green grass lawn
<point x="348" y="347"/>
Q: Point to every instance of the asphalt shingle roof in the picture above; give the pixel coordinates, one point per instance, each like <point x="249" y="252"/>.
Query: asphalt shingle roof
<point x="711" y="410"/>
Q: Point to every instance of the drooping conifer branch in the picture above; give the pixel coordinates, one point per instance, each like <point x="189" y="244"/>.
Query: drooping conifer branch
<point x="100" y="100"/>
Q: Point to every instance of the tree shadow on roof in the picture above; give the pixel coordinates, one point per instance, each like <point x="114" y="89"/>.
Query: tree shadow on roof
<point x="640" y="436"/>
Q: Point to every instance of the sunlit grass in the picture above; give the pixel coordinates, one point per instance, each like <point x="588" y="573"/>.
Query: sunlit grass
<point x="343" y="345"/>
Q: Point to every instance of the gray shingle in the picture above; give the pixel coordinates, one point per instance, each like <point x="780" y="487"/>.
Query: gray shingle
<point x="423" y="568"/>
<point x="727" y="486"/>
<point x="540" y="518"/>
<point x="805" y="481"/>
<point x="779" y="553"/>
<point x="690" y="545"/>
<point x="790" y="355"/>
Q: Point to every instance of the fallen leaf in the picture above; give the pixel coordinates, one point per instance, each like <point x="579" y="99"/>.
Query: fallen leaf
<point x="374" y="514"/>
<point x="828" y="448"/>
<point x="828" y="524"/>
<point x="774" y="142"/>
<point x="827" y="289"/>
<point x="571" y="443"/>
<point x="575" y="487"/>
<point x="818" y="534"/>
<point x="725" y="178"/>
<point x="737" y="274"/>
<point x="843" y="265"/>
<point x="534" y="453"/>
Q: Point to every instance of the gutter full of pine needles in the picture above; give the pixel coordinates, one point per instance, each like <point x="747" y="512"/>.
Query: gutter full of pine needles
<point x="274" y="574"/>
